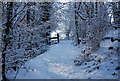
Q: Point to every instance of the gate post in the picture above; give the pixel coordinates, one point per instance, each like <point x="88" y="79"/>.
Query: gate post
<point x="58" y="37"/>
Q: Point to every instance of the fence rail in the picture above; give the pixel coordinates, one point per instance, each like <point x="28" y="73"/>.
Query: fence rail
<point x="55" y="38"/>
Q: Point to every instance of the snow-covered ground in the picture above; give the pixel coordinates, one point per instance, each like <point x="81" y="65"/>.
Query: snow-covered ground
<point x="58" y="63"/>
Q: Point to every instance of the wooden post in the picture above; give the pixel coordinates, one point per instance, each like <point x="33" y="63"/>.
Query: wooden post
<point x="58" y="37"/>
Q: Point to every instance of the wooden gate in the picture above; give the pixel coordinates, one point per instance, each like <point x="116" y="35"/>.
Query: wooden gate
<point x="55" y="38"/>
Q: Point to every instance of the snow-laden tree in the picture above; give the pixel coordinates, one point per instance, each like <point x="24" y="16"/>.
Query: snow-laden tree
<point x="7" y="35"/>
<point x="92" y="22"/>
<point x="26" y="31"/>
<point x="91" y="19"/>
<point x="63" y="14"/>
<point x="26" y="27"/>
<point x="116" y="12"/>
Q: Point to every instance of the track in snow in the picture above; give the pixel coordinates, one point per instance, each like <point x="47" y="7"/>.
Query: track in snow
<point x="57" y="62"/>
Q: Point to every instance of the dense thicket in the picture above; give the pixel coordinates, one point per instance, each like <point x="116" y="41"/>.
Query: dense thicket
<point x="25" y="32"/>
<point x="92" y="19"/>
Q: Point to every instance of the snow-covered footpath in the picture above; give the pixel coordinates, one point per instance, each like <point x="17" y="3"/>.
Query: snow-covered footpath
<point x="57" y="63"/>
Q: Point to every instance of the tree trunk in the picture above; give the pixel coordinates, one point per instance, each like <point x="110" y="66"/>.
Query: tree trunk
<point x="76" y="24"/>
<point x="6" y="38"/>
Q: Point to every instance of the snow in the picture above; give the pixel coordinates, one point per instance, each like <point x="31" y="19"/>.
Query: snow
<point x="0" y="76"/>
<point x="28" y="38"/>
<point x="108" y="43"/>
<point x="112" y="33"/>
<point x="57" y="63"/>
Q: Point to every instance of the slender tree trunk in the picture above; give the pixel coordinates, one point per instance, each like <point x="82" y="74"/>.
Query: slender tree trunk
<point x="45" y="18"/>
<point x="6" y="38"/>
<point x="28" y="13"/>
<point x="76" y="24"/>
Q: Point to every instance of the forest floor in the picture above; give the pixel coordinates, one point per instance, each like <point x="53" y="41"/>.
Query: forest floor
<point x="58" y="63"/>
